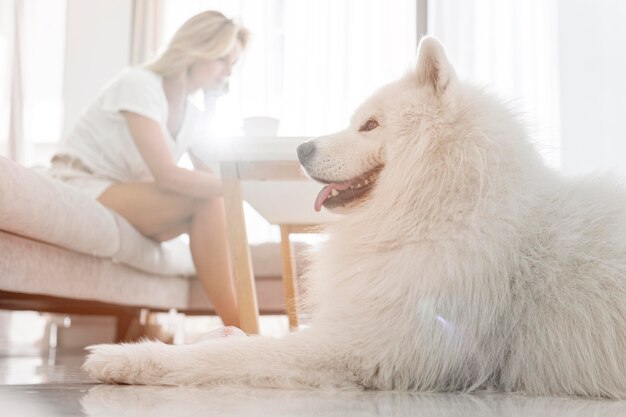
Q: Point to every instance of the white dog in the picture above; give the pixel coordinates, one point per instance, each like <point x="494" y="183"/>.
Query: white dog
<point x="462" y="263"/>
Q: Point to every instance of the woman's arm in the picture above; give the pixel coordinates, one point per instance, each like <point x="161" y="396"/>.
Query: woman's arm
<point x="198" y="164"/>
<point x="150" y="141"/>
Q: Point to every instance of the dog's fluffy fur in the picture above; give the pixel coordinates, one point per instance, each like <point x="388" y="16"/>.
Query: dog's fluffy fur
<point x="463" y="264"/>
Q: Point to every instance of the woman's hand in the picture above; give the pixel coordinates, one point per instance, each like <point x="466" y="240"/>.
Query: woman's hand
<point x="151" y="142"/>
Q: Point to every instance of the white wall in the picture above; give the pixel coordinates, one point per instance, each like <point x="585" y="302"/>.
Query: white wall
<point x="592" y="38"/>
<point x="97" y="48"/>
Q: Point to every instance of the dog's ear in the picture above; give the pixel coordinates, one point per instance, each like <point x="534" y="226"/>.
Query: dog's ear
<point x="433" y="68"/>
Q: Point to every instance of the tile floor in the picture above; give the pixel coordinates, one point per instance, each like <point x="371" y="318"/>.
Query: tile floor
<point x="53" y="385"/>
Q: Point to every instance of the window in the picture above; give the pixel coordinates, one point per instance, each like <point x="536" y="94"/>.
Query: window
<point x="42" y="68"/>
<point x="38" y="87"/>
<point x="309" y="63"/>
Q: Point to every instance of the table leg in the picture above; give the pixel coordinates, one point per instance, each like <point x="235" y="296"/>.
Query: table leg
<point x="289" y="273"/>
<point x="239" y="249"/>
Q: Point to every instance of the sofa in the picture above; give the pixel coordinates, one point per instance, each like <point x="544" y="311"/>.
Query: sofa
<point x="62" y="252"/>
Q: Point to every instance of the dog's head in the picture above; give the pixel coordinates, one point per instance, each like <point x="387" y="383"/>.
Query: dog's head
<point x="350" y="162"/>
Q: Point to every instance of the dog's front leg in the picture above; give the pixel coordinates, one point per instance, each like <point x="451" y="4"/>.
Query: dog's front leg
<point x="300" y="360"/>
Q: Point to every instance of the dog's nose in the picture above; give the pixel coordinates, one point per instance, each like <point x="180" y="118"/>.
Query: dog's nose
<point x="306" y="151"/>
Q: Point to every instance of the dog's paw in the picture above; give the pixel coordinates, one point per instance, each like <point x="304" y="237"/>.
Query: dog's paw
<point x="109" y="363"/>
<point x="124" y="363"/>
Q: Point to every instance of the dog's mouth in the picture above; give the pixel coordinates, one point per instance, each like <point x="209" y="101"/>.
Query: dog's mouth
<point x="339" y="194"/>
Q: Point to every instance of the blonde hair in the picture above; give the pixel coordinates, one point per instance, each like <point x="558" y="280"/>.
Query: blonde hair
<point x="206" y="36"/>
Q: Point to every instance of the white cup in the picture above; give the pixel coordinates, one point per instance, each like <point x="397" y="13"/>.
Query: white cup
<point x="260" y="126"/>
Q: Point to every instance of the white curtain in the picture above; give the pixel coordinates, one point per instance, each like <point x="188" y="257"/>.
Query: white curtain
<point x="510" y="46"/>
<point x="17" y="145"/>
<point x="6" y="36"/>
<point x="562" y="61"/>
<point x="310" y="63"/>
<point x="10" y="79"/>
<point x="146" y="29"/>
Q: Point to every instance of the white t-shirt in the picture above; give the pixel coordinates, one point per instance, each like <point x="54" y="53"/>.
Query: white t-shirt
<point x="101" y="139"/>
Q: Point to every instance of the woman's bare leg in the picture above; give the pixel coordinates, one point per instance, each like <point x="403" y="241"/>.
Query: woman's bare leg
<point x="152" y="211"/>
<point x="162" y="215"/>
<point x="175" y="231"/>
<point x="207" y="235"/>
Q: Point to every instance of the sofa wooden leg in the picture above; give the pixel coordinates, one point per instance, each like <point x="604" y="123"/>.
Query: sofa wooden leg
<point x="124" y="322"/>
<point x="138" y="325"/>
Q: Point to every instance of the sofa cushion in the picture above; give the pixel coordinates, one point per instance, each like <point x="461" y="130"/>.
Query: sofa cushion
<point x="28" y="266"/>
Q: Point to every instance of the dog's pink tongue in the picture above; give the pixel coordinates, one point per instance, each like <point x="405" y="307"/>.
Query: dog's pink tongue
<point x="323" y="195"/>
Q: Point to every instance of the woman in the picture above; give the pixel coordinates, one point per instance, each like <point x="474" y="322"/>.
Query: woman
<point x="123" y="151"/>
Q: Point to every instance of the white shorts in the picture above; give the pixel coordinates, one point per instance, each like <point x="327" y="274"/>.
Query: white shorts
<point x="73" y="172"/>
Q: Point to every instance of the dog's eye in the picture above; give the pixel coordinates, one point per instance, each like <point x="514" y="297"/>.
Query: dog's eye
<point x="371" y="124"/>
